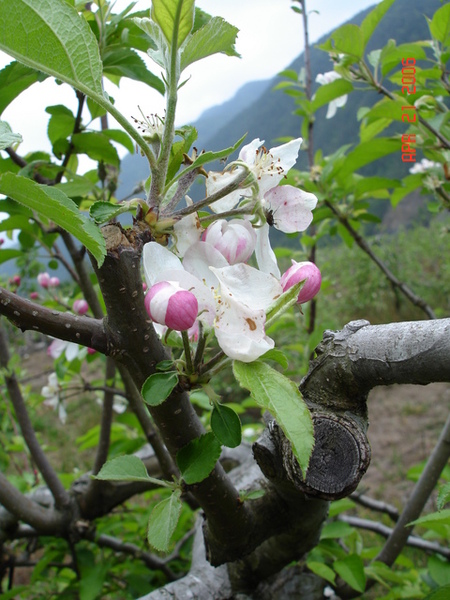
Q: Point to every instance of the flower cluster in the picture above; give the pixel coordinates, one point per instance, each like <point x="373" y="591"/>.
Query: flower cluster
<point x="205" y="277"/>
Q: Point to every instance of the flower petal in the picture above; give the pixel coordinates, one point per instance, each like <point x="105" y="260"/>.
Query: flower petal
<point x="199" y="258"/>
<point x="217" y="181"/>
<point x="247" y="285"/>
<point x="265" y="256"/>
<point x="186" y="231"/>
<point x="157" y="259"/>
<point x="291" y="208"/>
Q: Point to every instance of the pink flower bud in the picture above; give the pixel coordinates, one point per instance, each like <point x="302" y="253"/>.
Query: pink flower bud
<point x="54" y="282"/>
<point x="302" y="271"/>
<point x="2" y="241"/>
<point x="43" y="280"/>
<point x="235" y="239"/>
<point x="91" y="351"/>
<point x="34" y="295"/>
<point x="16" y="280"/>
<point x="80" y="307"/>
<point x="144" y="286"/>
<point x="170" y="305"/>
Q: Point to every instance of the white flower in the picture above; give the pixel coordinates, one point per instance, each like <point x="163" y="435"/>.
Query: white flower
<point x="268" y="168"/>
<point x="119" y="402"/>
<point x="57" y="347"/>
<point x="52" y="397"/>
<point x="186" y="231"/>
<point x="233" y="299"/>
<point x="423" y="166"/>
<point x="329" y="77"/>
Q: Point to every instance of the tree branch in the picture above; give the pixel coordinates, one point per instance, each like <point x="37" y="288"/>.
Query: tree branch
<point x="62" y="498"/>
<point x="27" y="315"/>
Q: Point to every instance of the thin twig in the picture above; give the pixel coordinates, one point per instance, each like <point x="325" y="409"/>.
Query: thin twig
<point x="385" y="531"/>
<point x="403" y="288"/>
<point x="376" y="505"/>
<point x="62" y="498"/>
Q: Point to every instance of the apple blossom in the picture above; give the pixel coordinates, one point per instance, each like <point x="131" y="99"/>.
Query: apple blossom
<point x="423" y="166"/>
<point x="232" y="299"/>
<point x="268" y="168"/>
<point x="16" y="280"/>
<point x="302" y="271"/>
<point x="52" y="397"/>
<point x="43" y="280"/>
<point x="329" y="77"/>
<point x="235" y="239"/>
<point x="58" y="347"/>
<point x="53" y="282"/>
<point x="168" y="304"/>
<point x="290" y="208"/>
<point x="80" y="307"/>
<point x="34" y="295"/>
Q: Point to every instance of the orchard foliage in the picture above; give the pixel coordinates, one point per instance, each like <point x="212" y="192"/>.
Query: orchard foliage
<point x="218" y="297"/>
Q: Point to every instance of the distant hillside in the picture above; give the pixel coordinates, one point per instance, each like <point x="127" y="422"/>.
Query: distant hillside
<point x="266" y="113"/>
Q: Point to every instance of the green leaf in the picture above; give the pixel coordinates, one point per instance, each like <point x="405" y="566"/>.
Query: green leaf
<point x="276" y="355"/>
<point x="366" y="153"/>
<point x="435" y="518"/>
<point x="53" y="204"/>
<point x="175" y="18"/>
<point x="97" y="146"/>
<point x="440" y="24"/>
<point x="335" y="530"/>
<point x="351" y="569"/>
<point x="442" y="593"/>
<point x="158" y="387"/>
<point x="279" y="395"/>
<point x="197" y="459"/>
<point x="322" y="570"/>
<point x="443" y="496"/>
<point x="52" y="37"/>
<point x="163" y="521"/>
<point x="330" y="91"/>
<point x="7" y="137"/>
<point x="122" y="138"/>
<point x="102" y="212"/>
<point x="125" y="62"/>
<point x="214" y="37"/>
<point x="439" y="569"/>
<point x="348" y="39"/>
<point x="61" y="123"/>
<point x="123" y="468"/>
<point x="226" y="425"/>
<point x="370" y="22"/>
<point x="209" y="156"/>
<point x="9" y="254"/>
<point x="253" y="495"/>
<point x="14" y="79"/>
<point x="282" y="303"/>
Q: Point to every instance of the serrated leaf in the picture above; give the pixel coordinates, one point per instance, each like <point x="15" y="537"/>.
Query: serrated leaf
<point x="51" y="36"/>
<point x="370" y="22"/>
<point x="122" y="138"/>
<point x="351" y="569"/>
<point x="436" y="518"/>
<point x="158" y="387"/>
<point x="97" y="146"/>
<point x="280" y="396"/>
<point x="197" y="459"/>
<point x="124" y="468"/>
<point x="125" y="62"/>
<point x="226" y="426"/>
<point x="217" y="36"/>
<point x="7" y="137"/>
<point x="163" y="521"/>
<point x="14" y="79"/>
<point x="56" y="206"/>
<point x="175" y="17"/>
<point x="443" y="496"/>
<point x="102" y="212"/>
<point x="276" y="355"/>
<point x="367" y="152"/>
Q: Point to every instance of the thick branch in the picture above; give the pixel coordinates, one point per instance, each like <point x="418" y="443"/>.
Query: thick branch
<point x="351" y="362"/>
<point x="25" y="315"/>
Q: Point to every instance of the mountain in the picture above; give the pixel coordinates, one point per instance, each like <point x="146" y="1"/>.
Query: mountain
<point x="267" y="114"/>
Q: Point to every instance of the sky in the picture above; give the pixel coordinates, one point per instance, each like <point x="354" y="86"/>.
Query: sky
<point x="270" y="38"/>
